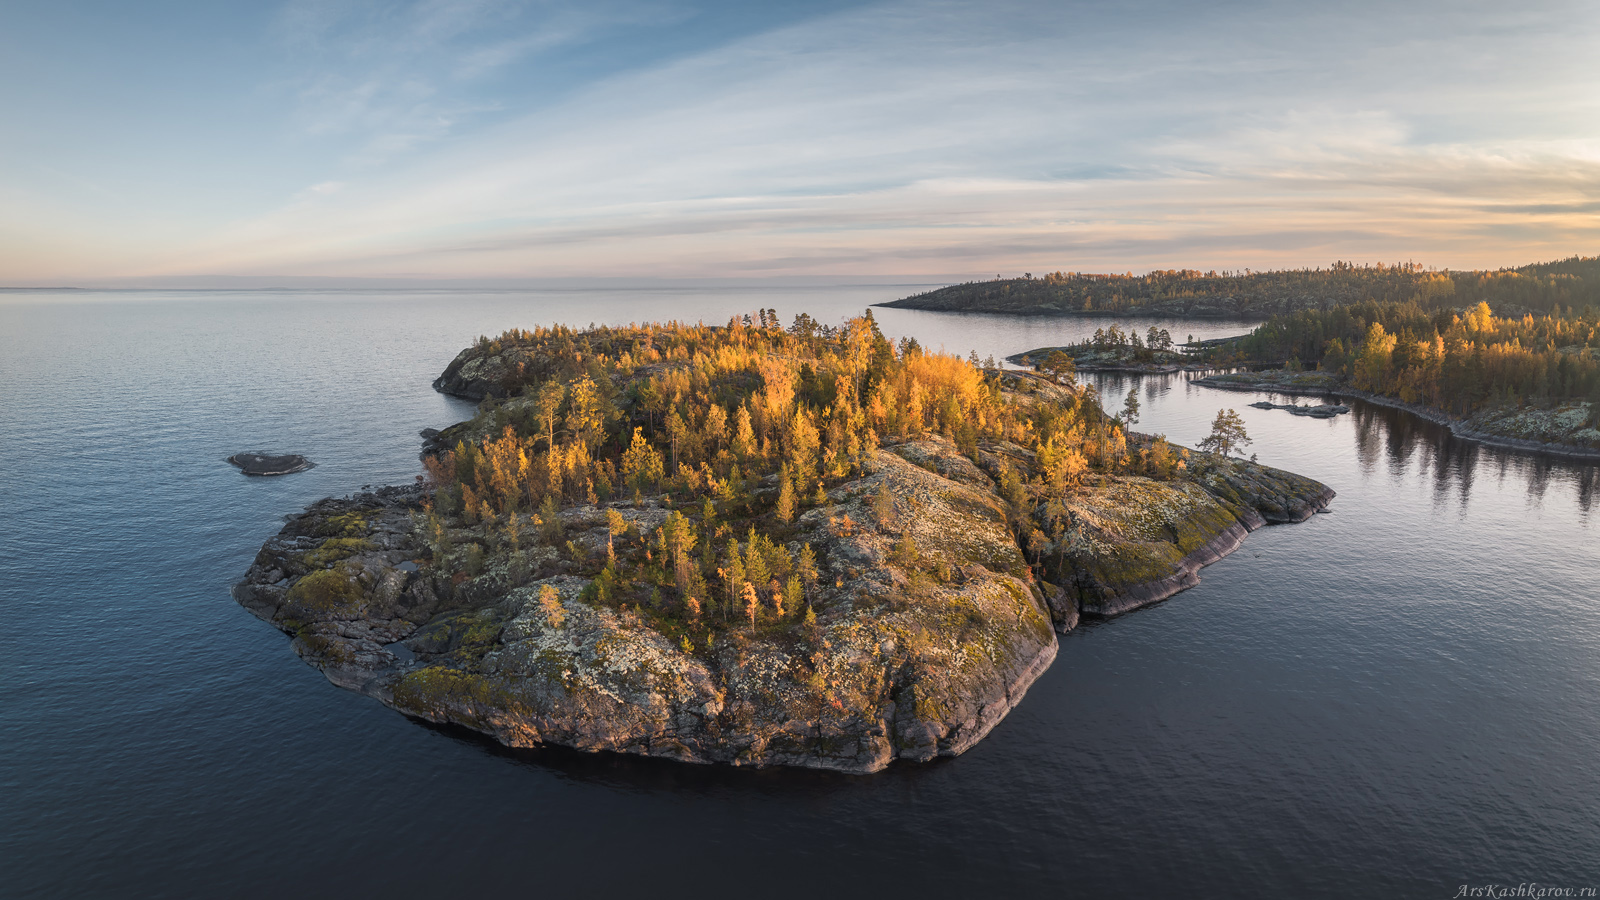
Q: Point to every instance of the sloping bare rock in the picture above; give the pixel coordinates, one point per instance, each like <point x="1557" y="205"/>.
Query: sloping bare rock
<point x="476" y="374"/>
<point x="929" y="630"/>
<point x="1128" y="542"/>
<point x="940" y="456"/>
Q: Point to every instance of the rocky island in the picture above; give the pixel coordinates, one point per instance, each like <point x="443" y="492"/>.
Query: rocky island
<point x="1111" y="350"/>
<point x="270" y="464"/>
<point x="748" y="544"/>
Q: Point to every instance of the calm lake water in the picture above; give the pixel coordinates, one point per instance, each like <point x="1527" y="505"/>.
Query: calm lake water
<point x="1396" y="699"/>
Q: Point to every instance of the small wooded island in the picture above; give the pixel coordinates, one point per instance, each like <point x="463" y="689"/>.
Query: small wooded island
<point x="748" y="544"/>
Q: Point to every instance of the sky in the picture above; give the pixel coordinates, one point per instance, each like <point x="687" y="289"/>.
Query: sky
<point x="449" y="140"/>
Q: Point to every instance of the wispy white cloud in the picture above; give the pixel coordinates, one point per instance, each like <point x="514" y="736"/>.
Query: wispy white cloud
<point x="398" y="76"/>
<point x="936" y="137"/>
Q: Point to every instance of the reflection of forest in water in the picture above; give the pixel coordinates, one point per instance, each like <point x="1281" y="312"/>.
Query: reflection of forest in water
<point x="1385" y="439"/>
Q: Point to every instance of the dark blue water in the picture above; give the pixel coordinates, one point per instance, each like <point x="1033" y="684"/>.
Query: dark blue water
<point x="1395" y="699"/>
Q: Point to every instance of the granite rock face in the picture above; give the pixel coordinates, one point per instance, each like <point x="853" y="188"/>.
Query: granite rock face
<point x="1130" y="541"/>
<point x="475" y="374"/>
<point x="915" y="653"/>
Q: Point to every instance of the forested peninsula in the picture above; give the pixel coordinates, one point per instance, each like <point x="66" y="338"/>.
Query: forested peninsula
<point x="1188" y="293"/>
<point x="748" y="544"/>
<point x="1526" y="381"/>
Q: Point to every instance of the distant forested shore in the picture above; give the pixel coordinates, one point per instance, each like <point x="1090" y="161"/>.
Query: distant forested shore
<point x="1542" y="287"/>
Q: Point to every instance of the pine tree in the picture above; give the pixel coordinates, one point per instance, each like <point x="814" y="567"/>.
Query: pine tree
<point x="1227" y="434"/>
<point x="806" y="566"/>
<point x="676" y="429"/>
<point x="744" y="434"/>
<point x="550" y="519"/>
<point x="804" y="443"/>
<point x="550" y="602"/>
<point x="794" y="592"/>
<point x="1060" y="367"/>
<point x="547" y="406"/>
<point x="641" y="464"/>
<point x="755" y="562"/>
<point x="752" y="603"/>
<point x="785" y="508"/>
<point x="733" y="574"/>
<point x="615" y="525"/>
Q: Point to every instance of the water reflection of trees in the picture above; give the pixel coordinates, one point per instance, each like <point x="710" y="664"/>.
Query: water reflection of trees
<point x="1401" y="443"/>
<point x="1115" y="384"/>
<point x="1369" y="428"/>
<point x="1385" y="436"/>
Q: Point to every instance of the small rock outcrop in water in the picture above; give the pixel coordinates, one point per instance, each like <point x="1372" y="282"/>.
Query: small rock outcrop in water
<point x="266" y="464"/>
<point x="1318" y="411"/>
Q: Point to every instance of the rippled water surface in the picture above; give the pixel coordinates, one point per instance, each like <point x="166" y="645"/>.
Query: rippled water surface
<point x="1397" y="698"/>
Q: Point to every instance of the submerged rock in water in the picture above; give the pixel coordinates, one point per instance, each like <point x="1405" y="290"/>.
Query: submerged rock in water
<point x="264" y="464"/>
<point x="1315" y="411"/>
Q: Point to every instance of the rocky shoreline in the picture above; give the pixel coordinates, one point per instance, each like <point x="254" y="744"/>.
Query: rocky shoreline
<point x="1155" y="550"/>
<point x="1457" y="427"/>
<point x="1186" y="575"/>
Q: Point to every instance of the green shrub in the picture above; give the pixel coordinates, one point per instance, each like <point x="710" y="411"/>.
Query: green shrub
<point x="472" y="563"/>
<point x="326" y="590"/>
<point x="335" y="549"/>
<point x="346" y="525"/>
